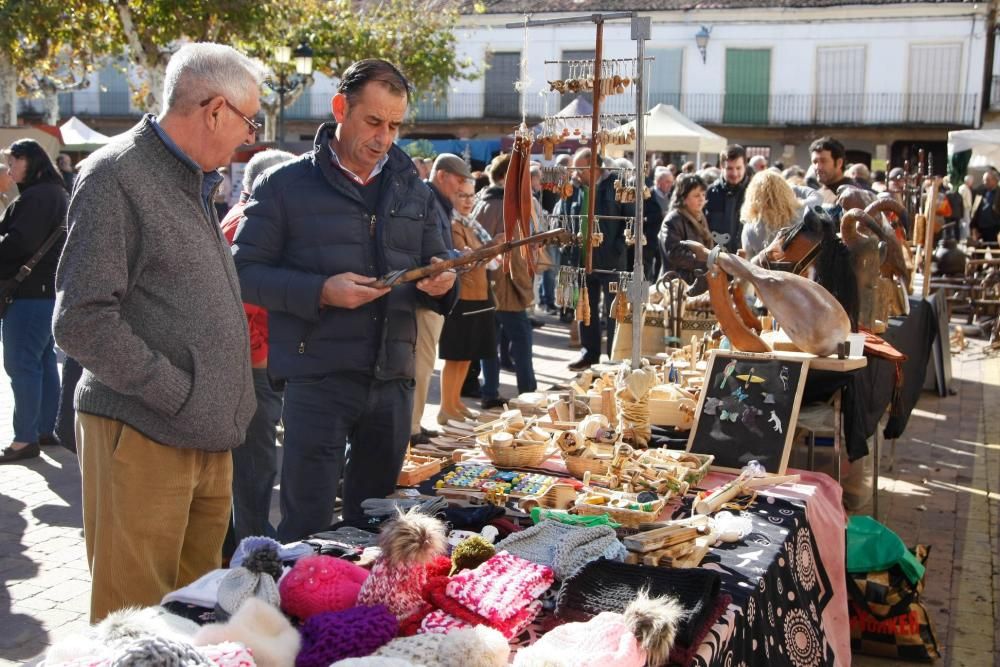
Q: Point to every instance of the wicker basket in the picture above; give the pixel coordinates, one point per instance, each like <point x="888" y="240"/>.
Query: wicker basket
<point x="626" y="517"/>
<point x="577" y="465"/>
<point x="520" y="454"/>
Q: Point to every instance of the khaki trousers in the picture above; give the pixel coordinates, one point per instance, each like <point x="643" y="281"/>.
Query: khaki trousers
<point x="154" y="516"/>
<point x="429" y="325"/>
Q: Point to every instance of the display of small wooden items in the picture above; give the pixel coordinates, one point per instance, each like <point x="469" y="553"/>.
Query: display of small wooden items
<point x="479" y="479"/>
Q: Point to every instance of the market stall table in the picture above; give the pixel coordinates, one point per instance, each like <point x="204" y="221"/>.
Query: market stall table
<point x="786" y="579"/>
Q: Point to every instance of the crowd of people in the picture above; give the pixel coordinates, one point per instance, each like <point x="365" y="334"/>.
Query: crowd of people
<point x="190" y="333"/>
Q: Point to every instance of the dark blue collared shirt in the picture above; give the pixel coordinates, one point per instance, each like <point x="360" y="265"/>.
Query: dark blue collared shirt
<point x="210" y="179"/>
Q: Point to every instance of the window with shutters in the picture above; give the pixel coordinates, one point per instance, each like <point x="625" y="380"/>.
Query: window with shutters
<point x="566" y="98"/>
<point x="934" y="82"/>
<point x="840" y="84"/>
<point x="748" y="87"/>
<point x="664" y="83"/>
<point x="502" y="99"/>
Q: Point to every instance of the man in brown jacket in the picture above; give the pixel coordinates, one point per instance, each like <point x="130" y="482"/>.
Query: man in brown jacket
<point x="513" y="293"/>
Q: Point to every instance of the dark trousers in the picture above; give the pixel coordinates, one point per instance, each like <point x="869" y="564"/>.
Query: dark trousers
<point x="66" y="416"/>
<point x="343" y="423"/>
<point x="518" y="329"/>
<point x="590" y="335"/>
<point x="255" y="465"/>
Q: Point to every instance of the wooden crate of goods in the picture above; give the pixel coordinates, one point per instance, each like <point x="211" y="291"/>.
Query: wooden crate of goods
<point x="691" y="468"/>
<point x="625" y="508"/>
<point x="417" y="468"/>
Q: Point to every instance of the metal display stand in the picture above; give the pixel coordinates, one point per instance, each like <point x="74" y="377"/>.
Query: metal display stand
<point x="640" y="32"/>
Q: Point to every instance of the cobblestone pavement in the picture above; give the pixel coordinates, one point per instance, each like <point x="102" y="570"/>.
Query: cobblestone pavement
<point x="942" y="489"/>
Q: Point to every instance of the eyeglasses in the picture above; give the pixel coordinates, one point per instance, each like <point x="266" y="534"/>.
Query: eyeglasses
<point x="255" y="127"/>
<point x="465" y="196"/>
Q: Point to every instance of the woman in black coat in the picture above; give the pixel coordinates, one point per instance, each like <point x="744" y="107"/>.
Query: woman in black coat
<point x="684" y="222"/>
<point x="26" y="328"/>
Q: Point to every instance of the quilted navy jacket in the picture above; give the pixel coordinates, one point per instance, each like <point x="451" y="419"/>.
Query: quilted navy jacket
<point x="306" y="222"/>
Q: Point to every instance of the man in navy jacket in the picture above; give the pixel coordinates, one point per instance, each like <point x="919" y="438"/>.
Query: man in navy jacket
<point x="317" y="231"/>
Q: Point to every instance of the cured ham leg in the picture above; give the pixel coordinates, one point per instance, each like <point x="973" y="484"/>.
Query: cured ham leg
<point x="814" y="321"/>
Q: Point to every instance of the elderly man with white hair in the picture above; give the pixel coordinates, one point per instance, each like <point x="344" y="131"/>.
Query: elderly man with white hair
<point x="148" y="301"/>
<point x="757" y="163"/>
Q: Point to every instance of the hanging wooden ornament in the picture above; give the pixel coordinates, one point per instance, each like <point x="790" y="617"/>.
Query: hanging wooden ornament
<point x="583" y="307"/>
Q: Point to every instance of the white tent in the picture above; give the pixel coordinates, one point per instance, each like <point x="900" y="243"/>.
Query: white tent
<point x="985" y="146"/>
<point x="77" y="136"/>
<point x="667" y="129"/>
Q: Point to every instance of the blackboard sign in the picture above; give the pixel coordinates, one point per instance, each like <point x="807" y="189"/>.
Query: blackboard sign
<point x="748" y="409"/>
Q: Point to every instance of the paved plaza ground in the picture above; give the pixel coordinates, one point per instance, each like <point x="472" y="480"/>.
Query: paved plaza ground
<point x="942" y="489"/>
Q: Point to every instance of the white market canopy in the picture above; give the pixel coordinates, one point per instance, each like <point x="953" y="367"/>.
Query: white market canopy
<point x="984" y="144"/>
<point x="667" y="129"/>
<point x="76" y="135"/>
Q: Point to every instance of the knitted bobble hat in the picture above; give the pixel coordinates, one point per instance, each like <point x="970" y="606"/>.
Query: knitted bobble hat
<point x="159" y="651"/>
<point x="409" y="544"/>
<point x="562" y="547"/>
<point x="609" y="586"/>
<point x="320" y="583"/>
<point x="642" y="635"/>
<point x="257" y="577"/>
<point x="471" y="553"/>
<point x="251" y="544"/>
<point x="480" y="646"/>
<point x="331" y="636"/>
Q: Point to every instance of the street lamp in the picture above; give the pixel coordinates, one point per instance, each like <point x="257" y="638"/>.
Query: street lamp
<point x="287" y="83"/>
<point x="701" y="39"/>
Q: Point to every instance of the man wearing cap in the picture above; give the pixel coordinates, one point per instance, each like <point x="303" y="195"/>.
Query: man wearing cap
<point x="317" y="232"/>
<point x="448" y="173"/>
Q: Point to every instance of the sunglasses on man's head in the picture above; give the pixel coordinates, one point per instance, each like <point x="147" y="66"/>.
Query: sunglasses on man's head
<point x="255" y="127"/>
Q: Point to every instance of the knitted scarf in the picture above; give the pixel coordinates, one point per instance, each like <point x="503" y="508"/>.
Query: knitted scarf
<point x="700" y="224"/>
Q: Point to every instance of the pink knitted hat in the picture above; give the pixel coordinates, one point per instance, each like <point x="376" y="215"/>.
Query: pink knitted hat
<point x="409" y="545"/>
<point x="645" y="632"/>
<point x="603" y="640"/>
<point x="320" y="583"/>
<point x="501" y="587"/>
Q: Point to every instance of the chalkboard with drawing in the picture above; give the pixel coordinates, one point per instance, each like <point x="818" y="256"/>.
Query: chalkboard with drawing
<point x="748" y="409"/>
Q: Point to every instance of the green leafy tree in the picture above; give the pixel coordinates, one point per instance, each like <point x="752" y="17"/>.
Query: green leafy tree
<point x="416" y="35"/>
<point x="420" y="148"/>
<point x="48" y="47"/>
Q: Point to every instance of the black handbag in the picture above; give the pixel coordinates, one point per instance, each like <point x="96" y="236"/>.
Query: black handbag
<point x="9" y="287"/>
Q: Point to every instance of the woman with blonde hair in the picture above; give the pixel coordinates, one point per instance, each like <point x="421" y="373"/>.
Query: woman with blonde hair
<point x="770" y="204"/>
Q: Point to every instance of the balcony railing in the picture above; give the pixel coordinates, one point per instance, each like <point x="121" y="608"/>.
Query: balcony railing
<point x="712" y="109"/>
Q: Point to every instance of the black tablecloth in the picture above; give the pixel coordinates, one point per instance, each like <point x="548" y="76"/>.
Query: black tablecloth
<point x="868" y="391"/>
<point x="913" y="336"/>
<point x="777" y="580"/>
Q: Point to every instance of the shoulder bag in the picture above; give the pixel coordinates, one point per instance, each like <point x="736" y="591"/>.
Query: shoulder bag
<point x="9" y="286"/>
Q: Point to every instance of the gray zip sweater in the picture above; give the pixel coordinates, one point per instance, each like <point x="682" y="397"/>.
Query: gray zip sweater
<point x="148" y="301"/>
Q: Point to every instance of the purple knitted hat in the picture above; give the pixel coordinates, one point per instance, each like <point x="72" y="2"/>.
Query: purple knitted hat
<point x="353" y="633"/>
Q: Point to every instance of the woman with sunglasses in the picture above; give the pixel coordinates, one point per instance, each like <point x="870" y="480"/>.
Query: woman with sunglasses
<point x="26" y="328"/>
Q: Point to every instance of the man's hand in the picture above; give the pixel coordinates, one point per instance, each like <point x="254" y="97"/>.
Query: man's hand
<point x="349" y="290"/>
<point x="439" y="284"/>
